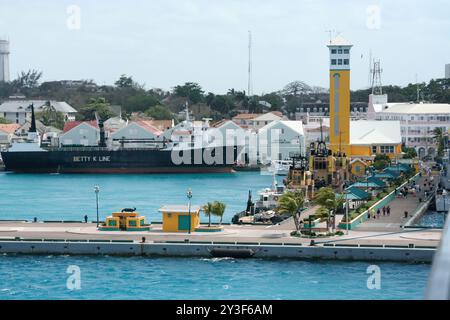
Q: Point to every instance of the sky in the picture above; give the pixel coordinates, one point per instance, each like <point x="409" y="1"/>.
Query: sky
<point x="164" y="43"/>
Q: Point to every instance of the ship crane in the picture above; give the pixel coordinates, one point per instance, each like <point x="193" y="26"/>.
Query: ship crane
<point x="101" y="126"/>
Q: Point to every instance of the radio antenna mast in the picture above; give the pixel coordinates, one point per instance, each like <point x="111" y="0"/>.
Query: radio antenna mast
<point x="250" y="67"/>
<point x="376" y="85"/>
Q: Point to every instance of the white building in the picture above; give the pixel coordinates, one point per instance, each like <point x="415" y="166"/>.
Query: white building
<point x="233" y="134"/>
<point x="136" y="134"/>
<point x="80" y="134"/>
<point x="280" y="139"/>
<point x="418" y="121"/>
<point x="4" y="60"/>
<point x="255" y="121"/>
<point x="19" y="111"/>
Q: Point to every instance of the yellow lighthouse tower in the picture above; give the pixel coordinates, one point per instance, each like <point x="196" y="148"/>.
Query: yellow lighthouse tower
<point x="340" y="95"/>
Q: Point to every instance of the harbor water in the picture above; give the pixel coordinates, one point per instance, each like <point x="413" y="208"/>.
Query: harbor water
<point x="70" y="197"/>
<point x="22" y="277"/>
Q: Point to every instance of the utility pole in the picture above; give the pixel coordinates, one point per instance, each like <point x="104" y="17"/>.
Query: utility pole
<point x="250" y="67"/>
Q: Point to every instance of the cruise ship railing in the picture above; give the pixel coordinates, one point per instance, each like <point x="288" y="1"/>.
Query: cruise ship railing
<point x="439" y="280"/>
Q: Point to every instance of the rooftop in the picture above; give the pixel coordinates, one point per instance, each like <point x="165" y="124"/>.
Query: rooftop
<point x="339" y="41"/>
<point x="39" y="106"/>
<point x="72" y="124"/>
<point x="9" y="128"/>
<point x="179" y="209"/>
<point x="415" y="108"/>
<point x="296" y="126"/>
<point x="366" y="132"/>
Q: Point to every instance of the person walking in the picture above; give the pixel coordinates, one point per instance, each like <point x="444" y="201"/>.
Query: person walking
<point x="388" y="210"/>
<point x="406" y="214"/>
<point x="378" y="213"/>
<point x="384" y="211"/>
<point x="85" y="218"/>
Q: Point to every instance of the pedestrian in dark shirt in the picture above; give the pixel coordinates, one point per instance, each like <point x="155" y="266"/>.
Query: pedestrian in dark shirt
<point x="384" y="211"/>
<point x="406" y="214"/>
<point x="85" y="219"/>
<point x="378" y="213"/>
<point x="388" y="211"/>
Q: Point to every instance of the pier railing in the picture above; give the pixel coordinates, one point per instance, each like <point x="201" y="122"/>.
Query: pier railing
<point x="439" y="280"/>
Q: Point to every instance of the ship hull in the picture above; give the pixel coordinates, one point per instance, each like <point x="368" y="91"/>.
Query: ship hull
<point x="96" y="160"/>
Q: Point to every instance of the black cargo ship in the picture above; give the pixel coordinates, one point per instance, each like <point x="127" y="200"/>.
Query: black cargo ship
<point x="31" y="157"/>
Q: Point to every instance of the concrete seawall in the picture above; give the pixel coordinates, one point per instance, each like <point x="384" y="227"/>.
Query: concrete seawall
<point x="133" y="248"/>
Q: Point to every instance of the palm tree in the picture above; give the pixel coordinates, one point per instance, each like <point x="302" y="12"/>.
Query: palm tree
<point x="218" y="209"/>
<point x="291" y="203"/>
<point x="208" y="209"/>
<point x="438" y="135"/>
<point x="329" y="202"/>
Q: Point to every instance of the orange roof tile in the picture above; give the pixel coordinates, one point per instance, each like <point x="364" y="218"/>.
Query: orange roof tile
<point x="10" y="127"/>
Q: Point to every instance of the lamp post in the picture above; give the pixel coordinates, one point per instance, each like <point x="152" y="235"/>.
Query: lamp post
<point x="97" y="190"/>
<point x="189" y="196"/>
<point x="346" y="211"/>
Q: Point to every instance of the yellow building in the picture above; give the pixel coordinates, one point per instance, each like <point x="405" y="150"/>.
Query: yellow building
<point x="125" y="221"/>
<point x="355" y="139"/>
<point x="369" y="138"/>
<point x="178" y="218"/>
<point x="340" y="95"/>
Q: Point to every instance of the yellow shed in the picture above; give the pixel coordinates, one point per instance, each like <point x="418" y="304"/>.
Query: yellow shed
<point x="178" y="218"/>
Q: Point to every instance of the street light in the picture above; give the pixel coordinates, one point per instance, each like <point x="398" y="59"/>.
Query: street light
<point x="189" y="196"/>
<point x="346" y="211"/>
<point x="97" y="190"/>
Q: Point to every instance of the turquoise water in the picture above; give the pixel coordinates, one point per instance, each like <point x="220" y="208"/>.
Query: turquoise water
<point x="22" y="277"/>
<point x="432" y="219"/>
<point x="70" y="197"/>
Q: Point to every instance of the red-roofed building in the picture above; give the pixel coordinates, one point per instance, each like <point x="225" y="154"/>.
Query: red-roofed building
<point x="72" y="124"/>
<point x="136" y="134"/>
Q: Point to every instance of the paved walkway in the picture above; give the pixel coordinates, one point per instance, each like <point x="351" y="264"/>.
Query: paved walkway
<point x="240" y="233"/>
<point x="399" y="205"/>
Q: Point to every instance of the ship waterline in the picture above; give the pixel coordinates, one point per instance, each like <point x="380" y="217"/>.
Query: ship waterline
<point x="101" y="160"/>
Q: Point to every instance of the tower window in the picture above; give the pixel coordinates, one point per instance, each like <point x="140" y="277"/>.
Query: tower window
<point x="333" y="50"/>
<point x="346" y="51"/>
<point x="333" y="62"/>
<point x="346" y="61"/>
<point x="339" y="61"/>
<point x="340" y="51"/>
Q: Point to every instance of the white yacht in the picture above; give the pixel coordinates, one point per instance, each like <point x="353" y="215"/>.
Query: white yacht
<point x="280" y="167"/>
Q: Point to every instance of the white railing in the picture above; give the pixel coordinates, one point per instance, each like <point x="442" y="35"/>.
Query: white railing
<point x="439" y="280"/>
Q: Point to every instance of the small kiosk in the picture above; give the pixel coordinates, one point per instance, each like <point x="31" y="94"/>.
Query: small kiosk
<point x="180" y="218"/>
<point x="127" y="220"/>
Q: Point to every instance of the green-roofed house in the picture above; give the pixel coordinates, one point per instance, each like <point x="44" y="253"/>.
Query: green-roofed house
<point x="356" y="197"/>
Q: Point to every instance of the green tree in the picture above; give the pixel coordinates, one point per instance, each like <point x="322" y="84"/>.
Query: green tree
<point x="159" y="113"/>
<point x="291" y="203"/>
<point x="95" y="105"/>
<point x="218" y="209"/>
<point x="124" y="82"/>
<point x="409" y="153"/>
<point x="190" y="90"/>
<point x="140" y="102"/>
<point x="4" y="121"/>
<point x="329" y="203"/>
<point x="28" y="80"/>
<point x="50" y="117"/>
<point x="208" y="209"/>
<point x="275" y="100"/>
<point x="381" y="161"/>
<point x="438" y="135"/>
